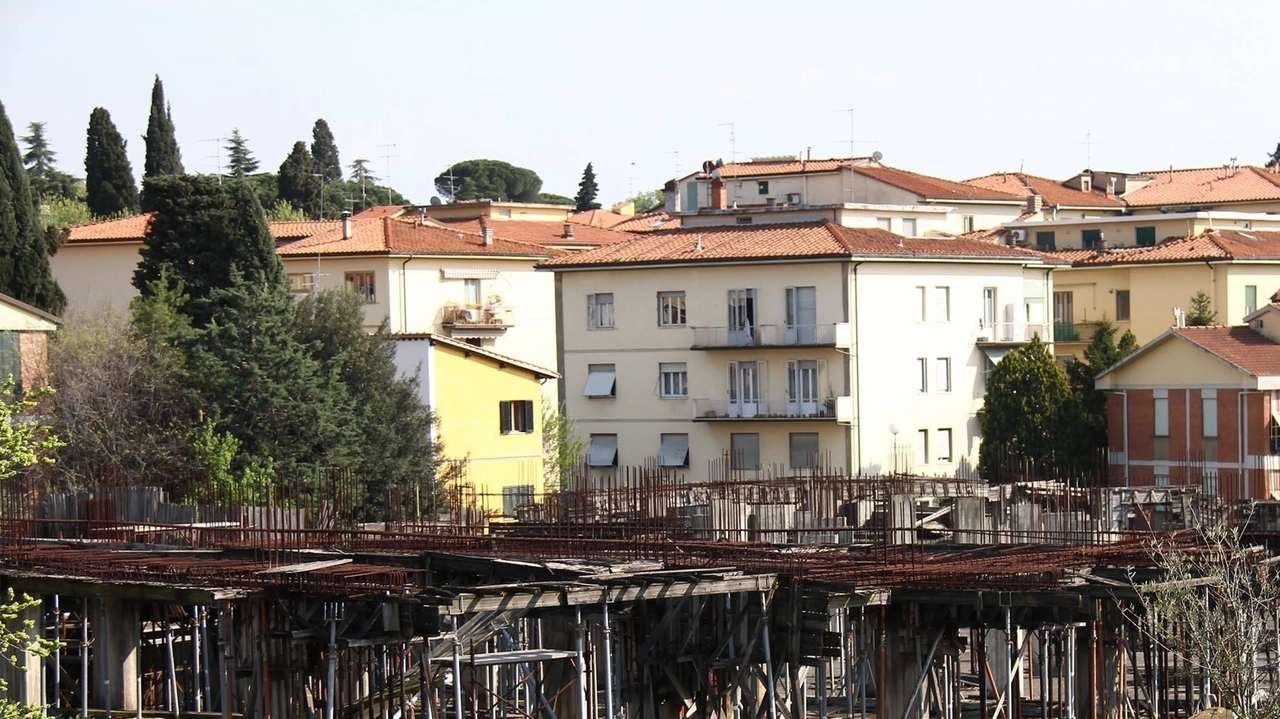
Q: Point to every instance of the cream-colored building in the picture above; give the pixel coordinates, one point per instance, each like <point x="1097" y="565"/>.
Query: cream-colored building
<point x="790" y="348"/>
<point x="855" y="192"/>
<point x="1140" y="230"/>
<point x="1139" y="289"/>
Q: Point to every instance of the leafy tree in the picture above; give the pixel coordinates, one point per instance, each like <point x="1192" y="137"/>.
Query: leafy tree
<point x="1127" y="345"/>
<point x="646" y="200"/>
<point x="42" y="172"/>
<point x="24" y="248"/>
<point x="284" y="212"/>
<point x="325" y="151"/>
<point x="108" y="175"/>
<point x="163" y="157"/>
<point x="297" y="182"/>
<point x="587" y="191"/>
<point x="489" y="179"/>
<point x="360" y="171"/>
<point x="240" y="160"/>
<point x="1202" y="313"/>
<point x="550" y="198"/>
<point x="562" y="447"/>
<point x="1101" y="353"/>
<point x="58" y="211"/>
<point x="1030" y="417"/>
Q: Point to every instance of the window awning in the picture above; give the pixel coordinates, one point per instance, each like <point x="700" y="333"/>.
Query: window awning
<point x="995" y="354"/>
<point x="1032" y="290"/>
<point x="604" y="450"/>
<point x="674" y="451"/>
<point x="478" y="332"/>
<point x="467" y="273"/>
<point x="600" y="383"/>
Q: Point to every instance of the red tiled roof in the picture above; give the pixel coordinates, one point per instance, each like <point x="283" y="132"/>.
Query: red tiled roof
<point x="777" y="241"/>
<point x="1207" y="246"/>
<point x="1205" y="186"/>
<point x="649" y="222"/>
<point x="135" y="228"/>
<point x="1243" y="347"/>
<point x="933" y="188"/>
<point x="377" y="211"/>
<point x="599" y="218"/>
<point x="540" y="232"/>
<point x="766" y="168"/>
<point x="471" y="349"/>
<point x="1053" y="191"/>
<point x="387" y="235"/>
<point x="297" y="229"/>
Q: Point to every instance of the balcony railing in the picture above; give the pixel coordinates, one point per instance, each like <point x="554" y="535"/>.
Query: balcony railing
<point x="1005" y="333"/>
<point x="723" y="409"/>
<point x="764" y="336"/>
<point x="1074" y="332"/>
<point x="494" y="317"/>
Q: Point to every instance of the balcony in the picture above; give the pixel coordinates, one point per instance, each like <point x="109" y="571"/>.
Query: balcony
<point x="467" y="321"/>
<point x="1010" y="333"/>
<point x="722" y="410"/>
<point x="1069" y="333"/>
<point x="726" y="338"/>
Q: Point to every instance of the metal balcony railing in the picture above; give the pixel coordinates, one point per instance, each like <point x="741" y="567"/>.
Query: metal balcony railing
<point x="723" y="409"/>
<point x="489" y="316"/>
<point x="1011" y="332"/>
<point x="1074" y="331"/>
<point x="822" y="335"/>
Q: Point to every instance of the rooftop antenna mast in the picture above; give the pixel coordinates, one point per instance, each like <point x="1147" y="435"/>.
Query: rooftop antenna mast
<point x="733" y="139"/>
<point x="1088" y="143"/>
<point x="216" y="156"/>
<point x="387" y="156"/>
<point x="631" y="176"/>
<point x="851" y="142"/>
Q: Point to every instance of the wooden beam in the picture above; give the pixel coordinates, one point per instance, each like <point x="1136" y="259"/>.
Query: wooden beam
<point x="305" y="567"/>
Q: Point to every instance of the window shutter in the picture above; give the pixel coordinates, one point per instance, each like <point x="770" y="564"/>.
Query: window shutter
<point x="528" y="415"/>
<point x="504" y="411"/>
<point x="762" y="368"/>
<point x="792" y="379"/>
<point x="823" y="380"/>
<point x="731" y="388"/>
<point x="591" y="306"/>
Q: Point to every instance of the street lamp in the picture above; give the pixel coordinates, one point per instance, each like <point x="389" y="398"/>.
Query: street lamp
<point x="893" y="448"/>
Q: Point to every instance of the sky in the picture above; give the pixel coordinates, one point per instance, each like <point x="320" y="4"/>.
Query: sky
<point x="947" y="88"/>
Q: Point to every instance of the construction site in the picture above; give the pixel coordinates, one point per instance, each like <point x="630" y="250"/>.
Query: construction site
<point x="633" y="595"/>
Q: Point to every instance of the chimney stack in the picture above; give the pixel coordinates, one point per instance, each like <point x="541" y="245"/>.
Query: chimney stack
<point x="670" y="198"/>
<point x="719" y="195"/>
<point x="485" y="230"/>
<point x="1111" y="187"/>
<point x="1035" y="203"/>
<point x="346" y="225"/>
<point x="568" y="230"/>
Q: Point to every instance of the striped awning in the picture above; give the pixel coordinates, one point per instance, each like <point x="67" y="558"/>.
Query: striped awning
<point x="467" y="273"/>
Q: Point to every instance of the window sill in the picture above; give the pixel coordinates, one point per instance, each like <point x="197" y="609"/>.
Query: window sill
<point x="601" y="396"/>
<point x="515" y="432"/>
<point x="600" y="329"/>
<point x="673" y="396"/>
<point x="672" y="327"/>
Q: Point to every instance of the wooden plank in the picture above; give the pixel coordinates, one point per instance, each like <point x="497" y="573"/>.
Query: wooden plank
<point x="305" y="567"/>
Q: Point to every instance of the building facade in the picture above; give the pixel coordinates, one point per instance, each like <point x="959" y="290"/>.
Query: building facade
<point x="24" y="344"/>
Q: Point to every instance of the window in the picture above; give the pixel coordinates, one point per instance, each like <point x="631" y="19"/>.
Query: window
<point x="988" y="307"/>
<point x="504" y="212"/>
<point x="744" y="220"/>
<point x="691" y="196"/>
<point x="944" y="445"/>
<point x="744" y="451"/>
<point x="1062" y="308"/>
<point x="471" y="291"/>
<point x="1209" y="412"/>
<point x="885" y="223"/>
<point x="1145" y="236"/>
<point x="603" y="451"/>
<point x="908" y="227"/>
<point x="671" y="309"/>
<point x="673" y="380"/>
<point x="923" y="364"/>
<point x="1162" y="416"/>
<point x="1250" y="299"/>
<point x="1091" y="239"/>
<point x="1045" y="241"/>
<point x="673" y="450"/>
<point x="601" y="381"/>
<point x="921" y="314"/>
<point x="11" y="360"/>
<point x="302" y="283"/>
<point x="763" y="187"/>
<point x="967" y="221"/>
<point x="516" y="496"/>
<point x="944" y="374"/>
<point x="922" y="446"/>
<point x="600" y="311"/>
<point x="743" y="328"/>
<point x="1162" y="480"/>
<point x="1122" y="305"/>
<point x="361" y="283"/>
<point x="516" y="416"/>
<point x="941" y="304"/>
<point x="804" y="450"/>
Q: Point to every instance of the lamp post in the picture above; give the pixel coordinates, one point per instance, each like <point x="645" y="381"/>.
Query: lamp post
<point x="893" y="448"/>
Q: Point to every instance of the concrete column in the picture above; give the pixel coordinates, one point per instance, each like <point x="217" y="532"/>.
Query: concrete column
<point x="900" y="665"/>
<point x="970" y="514"/>
<point x="902" y="519"/>
<point x="26" y="678"/>
<point x="116" y="629"/>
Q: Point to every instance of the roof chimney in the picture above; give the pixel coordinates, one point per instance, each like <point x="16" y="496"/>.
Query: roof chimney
<point x="1035" y="203"/>
<point x="568" y="230"/>
<point x="485" y="230"/>
<point x="670" y="197"/>
<point x="719" y="195"/>
<point x="346" y="224"/>
<point x="1111" y="187"/>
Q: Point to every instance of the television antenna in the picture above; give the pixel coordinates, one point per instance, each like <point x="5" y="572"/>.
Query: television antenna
<point x="853" y="141"/>
<point x="216" y="156"/>
<point x="1088" y="143"/>
<point x="387" y="156"/>
<point x="321" y="176"/>
<point x="733" y="139"/>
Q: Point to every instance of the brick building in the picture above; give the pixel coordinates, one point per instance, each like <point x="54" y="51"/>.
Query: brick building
<point x="24" y="333"/>
<point x="1199" y="406"/>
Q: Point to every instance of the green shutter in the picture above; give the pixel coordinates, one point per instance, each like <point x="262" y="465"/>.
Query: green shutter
<point x="504" y="422"/>
<point x="11" y="360"/>
<point x="1146" y="236"/>
<point x="528" y="415"/>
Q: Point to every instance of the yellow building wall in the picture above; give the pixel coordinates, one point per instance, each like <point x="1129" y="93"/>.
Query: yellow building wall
<point x="468" y="390"/>
<point x="1231" y="301"/>
<point x="96" y="274"/>
<point x="1175" y="363"/>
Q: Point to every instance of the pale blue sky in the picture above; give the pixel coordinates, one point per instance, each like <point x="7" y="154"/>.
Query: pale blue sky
<point x="947" y="88"/>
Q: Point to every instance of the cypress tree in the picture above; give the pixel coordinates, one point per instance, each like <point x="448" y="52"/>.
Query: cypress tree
<point x="163" y="157"/>
<point x="108" y="175"/>
<point x="325" y="152"/>
<point x="297" y="182"/>
<point x="42" y="171"/>
<point x="587" y="191"/>
<point x="240" y="160"/>
<point x="24" y="249"/>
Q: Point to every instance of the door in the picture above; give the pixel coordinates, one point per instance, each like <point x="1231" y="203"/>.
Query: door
<point x="802" y="315"/>
<point x="745" y="396"/>
<point x="743" y="329"/>
<point x="803" y="396"/>
<point x="989" y="308"/>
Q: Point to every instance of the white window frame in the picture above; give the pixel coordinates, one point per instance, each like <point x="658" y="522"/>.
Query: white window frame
<point x="921" y="304"/>
<point x="598" y="318"/>
<point x="942" y="303"/>
<point x="1160" y="415"/>
<point x="671" y="309"/>
<point x="1209" y="411"/>
<point x="944" y="445"/>
<point x="673" y="380"/>
<point x="364" y="284"/>
<point x="922" y="446"/>
<point x="885" y="223"/>
<point x="302" y="283"/>
<point x="908" y="227"/>
<point x="967" y="223"/>
<point x="942" y="383"/>
<point x="922" y="363"/>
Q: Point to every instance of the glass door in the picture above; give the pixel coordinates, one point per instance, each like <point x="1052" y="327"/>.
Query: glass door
<point x="803" y="396"/>
<point x="802" y="315"/>
<point x="742" y="317"/>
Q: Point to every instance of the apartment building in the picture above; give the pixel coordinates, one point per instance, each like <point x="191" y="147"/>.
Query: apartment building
<point x="786" y="348"/>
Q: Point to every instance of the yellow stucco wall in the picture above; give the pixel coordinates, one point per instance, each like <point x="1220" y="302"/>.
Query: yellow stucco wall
<point x="1174" y="363"/>
<point x="468" y="390"/>
<point x="96" y="274"/>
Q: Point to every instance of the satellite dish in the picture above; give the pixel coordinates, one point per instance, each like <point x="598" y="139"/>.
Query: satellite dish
<point x="877" y="156"/>
<point x="435" y="201"/>
<point x="708" y="166"/>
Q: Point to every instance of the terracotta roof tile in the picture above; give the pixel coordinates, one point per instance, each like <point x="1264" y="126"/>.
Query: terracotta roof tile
<point x="1205" y="186"/>
<point x="781" y="241"/>
<point x="1211" y="245"/>
<point x="135" y="228"/>
<point x="377" y="211"/>
<point x="933" y="188"/>
<point x="539" y="232"/>
<point x="599" y="218"/>
<point x="767" y="168"/>
<point x="649" y="222"/>
<point x="1053" y="191"/>
<point x="1241" y="346"/>
<point x="297" y="229"/>
<point x="387" y="235"/>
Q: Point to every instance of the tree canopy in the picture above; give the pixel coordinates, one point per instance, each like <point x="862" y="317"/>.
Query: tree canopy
<point x="108" y="175"/>
<point x="646" y="200"/>
<point x="240" y="160"/>
<point x="42" y="172"/>
<point x="587" y="191"/>
<point x="24" y="247"/>
<point x="1201" y="313"/>
<point x="297" y="182"/>
<point x="1102" y="352"/>
<point x="163" y="157"/>
<point x="325" y="152"/>
<point x="489" y="179"/>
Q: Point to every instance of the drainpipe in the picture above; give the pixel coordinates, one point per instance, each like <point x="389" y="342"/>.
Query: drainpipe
<point x="404" y="301"/>
<point x="1213" y="284"/>
<point x="608" y="661"/>
<point x="857" y="369"/>
<point x="1124" y="395"/>
<point x="457" y="671"/>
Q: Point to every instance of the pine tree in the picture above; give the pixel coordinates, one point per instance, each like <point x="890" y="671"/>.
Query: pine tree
<point x="325" y="152"/>
<point x="362" y="176"/>
<point x="108" y="175"/>
<point x="297" y="181"/>
<point x="587" y="191"/>
<point x="163" y="157"/>
<point x="1202" y="313"/>
<point x="240" y="160"/>
<point x="42" y="171"/>
<point x="24" y="248"/>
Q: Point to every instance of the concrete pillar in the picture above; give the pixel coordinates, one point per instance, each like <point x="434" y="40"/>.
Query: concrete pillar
<point x="26" y="678"/>
<point x="970" y="514"/>
<point x="116" y="629"/>
<point x="902" y="519"/>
